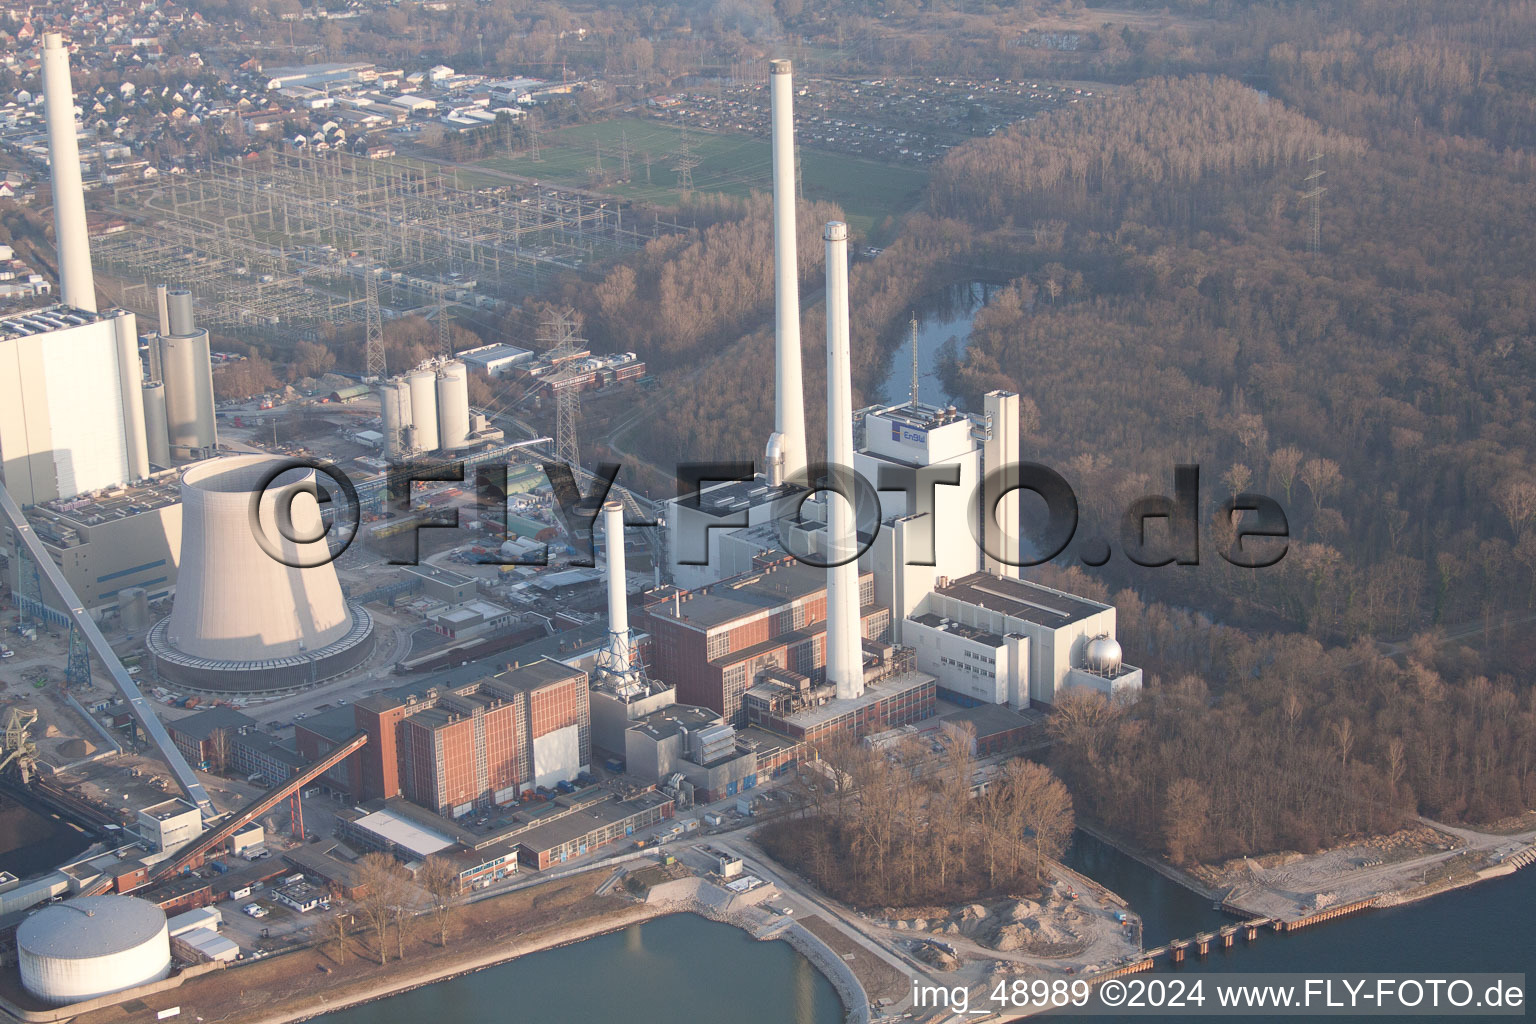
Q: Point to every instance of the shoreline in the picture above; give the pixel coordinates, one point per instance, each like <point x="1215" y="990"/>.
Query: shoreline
<point x="1389" y="897"/>
<point x="559" y="938"/>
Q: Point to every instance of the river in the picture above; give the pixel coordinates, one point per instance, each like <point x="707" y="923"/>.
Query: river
<point x="940" y="317"/>
<point x="1478" y="928"/>
<point x="676" y="968"/>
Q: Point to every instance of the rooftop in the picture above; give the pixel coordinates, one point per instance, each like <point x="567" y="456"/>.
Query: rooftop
<point x="890" y="686"/>
<point x="735" y="496"/>
<point x="119" y="503"/>
<point x="204" y="724"/>
<point x="669" y="721"/>
<point x="168" y="809"/>
<point x="981" y="636"/>
<point x="745" y="595"/>
<point x="1021" y="599"/>
<point x="407" y="835"/>
<point x="581" y="822"/>
<point x="41" y="321"/>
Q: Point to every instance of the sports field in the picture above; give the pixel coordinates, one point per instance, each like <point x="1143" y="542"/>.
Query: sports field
<point x="733" y="164"/>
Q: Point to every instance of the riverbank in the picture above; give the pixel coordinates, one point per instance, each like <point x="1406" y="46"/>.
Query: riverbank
<point x="320" y="979"/>
<point x="1404" y="867"/>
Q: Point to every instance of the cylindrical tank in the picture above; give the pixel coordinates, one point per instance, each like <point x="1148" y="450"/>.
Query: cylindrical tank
<point x="92" y="946"/>
<point x="133" y="609"/>
<point x="179" y="310"/>
<point x="618" y="602"/>
<point x="424" y="408"/>
<point x="156" y="434"/>
<point x="188" y="387"/>
<point x="395" y="411"/>
<point x="453" y="405"/>
<point x="130" y="377"/>
<point x="253" y="590"/>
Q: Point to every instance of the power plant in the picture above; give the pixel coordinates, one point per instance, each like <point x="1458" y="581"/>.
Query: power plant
<point x="258" y="607"/>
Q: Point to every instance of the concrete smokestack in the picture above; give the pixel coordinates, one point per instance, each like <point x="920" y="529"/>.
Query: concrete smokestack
<point x="786" y="448"/>
<point x="130" y="377"/>
<point x="163" y="304"/>
<point x="77" y="286"/>
<point x="618" y="607"/>
<point x="845" y="652"/>
<point x="1001" y="452"/>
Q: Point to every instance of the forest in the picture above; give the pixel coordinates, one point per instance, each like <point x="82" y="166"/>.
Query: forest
<point x="900" y="825"/>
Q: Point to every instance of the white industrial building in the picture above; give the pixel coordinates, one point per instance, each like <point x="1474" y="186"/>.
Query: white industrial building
<point x="170" y="824"/>
<point x="997" y="640"/>
<point x="495" y="360"/>
<point x="92" y="946"/>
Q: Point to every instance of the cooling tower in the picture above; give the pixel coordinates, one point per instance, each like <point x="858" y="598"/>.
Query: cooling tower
<point x="395" y="412"/>
<point x="76" y="284"/>
<point x="786" y="447"/>
<point x="258" y="607"/>
<point x="188" y="367"/>
<point x="453" y="405"/>
<point x="156" y="437"/>
<point x="424" y="408"/>
<point x="130" y="377"/>
<point x="845" y="653"/>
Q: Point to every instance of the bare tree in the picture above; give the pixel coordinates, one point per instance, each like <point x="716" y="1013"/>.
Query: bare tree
<point x="1283" y="464"/>
<point x="1321" y="476"/>
<point x="1045" y="811"/>
<point x="218" y="751"/>
<point x="440" y="881"/>
<point x="379" y="881"/>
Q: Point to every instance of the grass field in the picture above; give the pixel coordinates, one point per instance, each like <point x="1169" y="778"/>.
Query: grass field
<point x="733" y="164"/>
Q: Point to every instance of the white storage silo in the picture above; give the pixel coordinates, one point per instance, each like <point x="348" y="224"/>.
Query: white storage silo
<point x="395" y="411"/>
<point x="92" y="946"/>
<point x="156" y="432"/>
<point x="424" y="408"/>
<point x="453" y="405"/>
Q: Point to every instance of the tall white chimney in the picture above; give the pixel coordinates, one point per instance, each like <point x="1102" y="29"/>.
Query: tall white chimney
<point x="76" y="285"/>
<point x="786" y="448"/>
<point x="1000" y="517"/>
<point x="618" y="608"/>
<point x="845" y="652"/>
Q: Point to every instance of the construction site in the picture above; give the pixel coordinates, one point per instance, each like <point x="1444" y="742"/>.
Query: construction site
<point x="280" y="246"/>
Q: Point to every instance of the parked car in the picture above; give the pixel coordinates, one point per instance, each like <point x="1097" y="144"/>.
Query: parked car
<point x="255" y="910"/>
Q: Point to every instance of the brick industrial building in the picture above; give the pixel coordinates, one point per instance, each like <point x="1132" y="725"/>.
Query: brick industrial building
<point x="711" y="643"/>
<point x="466" y="746"/>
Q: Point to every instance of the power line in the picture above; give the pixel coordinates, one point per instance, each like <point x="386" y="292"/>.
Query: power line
<point x="1314" y="195"/>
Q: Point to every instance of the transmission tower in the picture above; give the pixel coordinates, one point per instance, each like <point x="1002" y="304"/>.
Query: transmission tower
<point x="444" y="324"/>
<point x="559" y="331"/>
<point x="914" y="360"/>
<point x="624" y="153"/>
<point x="686" y="162"/>
<point x="1314" y="196"/>
<point x="533" y="137"/>
<point x="374" y="344"/>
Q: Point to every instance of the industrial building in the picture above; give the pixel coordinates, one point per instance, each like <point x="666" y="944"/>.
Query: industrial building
<point x="92" y="946"/>
<point x="711" y="643"/>
<point x="495" y="360"/>
<point x="458" y="747"/>
<point x="182" y="353"/>
<point x="998" y="640"/>
<point x="255" y="611"/>
<point x="169" y="825"/>
<point x="695" y="743"/>
<point x="123" y="539"/>
<point x="892" y="694"/>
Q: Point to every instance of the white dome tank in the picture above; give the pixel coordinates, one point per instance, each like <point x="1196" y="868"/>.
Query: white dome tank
<point x="92" y="946"/>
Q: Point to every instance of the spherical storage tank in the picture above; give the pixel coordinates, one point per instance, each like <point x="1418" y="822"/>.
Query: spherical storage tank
<point x="92" y="946"/>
